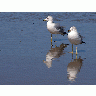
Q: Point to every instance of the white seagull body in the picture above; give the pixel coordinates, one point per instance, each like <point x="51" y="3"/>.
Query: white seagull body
<point x="74" y="37"/>
<point x="54" y="28"/>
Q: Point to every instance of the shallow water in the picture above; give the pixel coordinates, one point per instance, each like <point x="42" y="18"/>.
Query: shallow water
<point x="27" y="57"/>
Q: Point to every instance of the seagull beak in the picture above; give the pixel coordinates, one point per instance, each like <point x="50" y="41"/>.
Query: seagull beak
<point x="44" y="20"/>
<point x="69" y="30"/>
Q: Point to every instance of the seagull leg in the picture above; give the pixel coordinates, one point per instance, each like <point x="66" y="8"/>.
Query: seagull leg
<point x="72" y="56"/>
<point x="76" y="51"/>
<point x="72" y="49"/>
<point x="76" y="56"/>
<point x="51" y="37"/>
<point x="51" y="40"/>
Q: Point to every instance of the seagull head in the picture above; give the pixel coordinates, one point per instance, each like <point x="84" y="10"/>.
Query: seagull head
<point x="72" y="29"/>
<point x="49" y="18"/>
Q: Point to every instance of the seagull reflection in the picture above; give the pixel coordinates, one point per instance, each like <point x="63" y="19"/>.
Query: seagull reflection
<point x="73" y="68"/>
<point x="54" y="53"/>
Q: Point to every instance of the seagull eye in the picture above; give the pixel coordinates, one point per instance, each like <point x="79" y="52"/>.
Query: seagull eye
<point x="47" y="18"/>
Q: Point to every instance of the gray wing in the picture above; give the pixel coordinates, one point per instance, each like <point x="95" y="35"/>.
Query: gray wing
<point x="59" y="28"/>
<point x="81" y="38"/>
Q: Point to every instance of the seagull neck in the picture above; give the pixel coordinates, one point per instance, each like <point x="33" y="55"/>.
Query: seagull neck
<point x="50" y="22"/>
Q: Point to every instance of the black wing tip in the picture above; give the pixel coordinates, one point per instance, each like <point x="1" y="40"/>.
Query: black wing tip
<point x="83" y="42"/>
<point x="64" y="33"/>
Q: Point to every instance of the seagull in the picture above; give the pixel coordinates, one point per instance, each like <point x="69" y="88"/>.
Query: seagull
<point x="73" y="68"/>
<point x="74" y="37"/>
<point x="54" y="28"/>
<point x="54" y="53"/>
